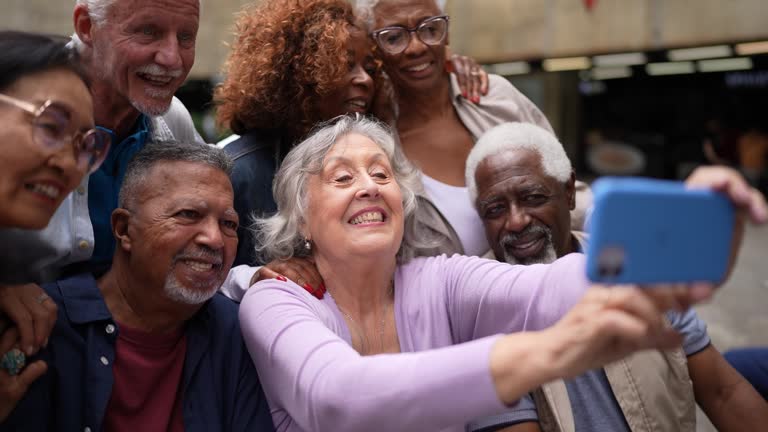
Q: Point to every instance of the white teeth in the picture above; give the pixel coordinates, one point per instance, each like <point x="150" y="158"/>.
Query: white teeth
<point x="157" y="79"/>
<point x="199" y="266"/>
<point x="50" y="191"/>
<point x="418" y="68"/>
<point x="368" y="218"/>
<point x="359" y="104"/>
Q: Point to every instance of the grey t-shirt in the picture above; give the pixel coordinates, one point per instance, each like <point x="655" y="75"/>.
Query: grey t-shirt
<point x="593" y="404"/>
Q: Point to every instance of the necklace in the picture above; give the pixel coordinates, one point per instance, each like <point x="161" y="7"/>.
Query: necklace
<point x="365" y="345"/>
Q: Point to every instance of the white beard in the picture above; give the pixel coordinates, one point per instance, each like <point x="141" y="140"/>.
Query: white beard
<point x="179" y="293"/>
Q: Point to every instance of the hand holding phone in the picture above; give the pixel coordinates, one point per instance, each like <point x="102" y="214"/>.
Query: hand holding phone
<point x="645" y="231"/>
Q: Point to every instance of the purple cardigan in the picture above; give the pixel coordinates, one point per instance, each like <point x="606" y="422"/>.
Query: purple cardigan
<point x="448" y="314"/>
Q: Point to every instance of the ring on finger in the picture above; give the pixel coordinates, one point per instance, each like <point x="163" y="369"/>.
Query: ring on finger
<point x="41" y="298"/>
<point x="475" y="72"/>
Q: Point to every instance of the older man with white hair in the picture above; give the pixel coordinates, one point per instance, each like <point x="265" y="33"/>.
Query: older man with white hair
<point x="522" y="185"/>
<point x="137" y="53"/>
<point x="151" y="346"/>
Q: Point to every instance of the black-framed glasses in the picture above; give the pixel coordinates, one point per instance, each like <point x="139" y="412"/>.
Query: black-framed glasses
<point x="51" y="125"/>
<point x="395" y="39"/>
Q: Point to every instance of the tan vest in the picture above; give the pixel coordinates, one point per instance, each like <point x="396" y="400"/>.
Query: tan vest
<point x="653" y="389"/>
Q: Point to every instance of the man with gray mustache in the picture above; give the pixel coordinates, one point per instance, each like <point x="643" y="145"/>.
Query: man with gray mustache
<point x="151" y="345"/>
<point x="137" y="53"/>
<point x="522" y="185"/>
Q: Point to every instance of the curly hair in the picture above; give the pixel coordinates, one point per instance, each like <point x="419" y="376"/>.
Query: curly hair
<point x="287" y="55"/>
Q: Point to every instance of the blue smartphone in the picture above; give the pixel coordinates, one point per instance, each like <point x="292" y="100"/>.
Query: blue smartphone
<point x="646" y="231"/>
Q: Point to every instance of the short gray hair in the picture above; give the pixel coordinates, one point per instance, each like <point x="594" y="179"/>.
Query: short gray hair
<point x="517" y="136"/>
<point x="280" y="237"/>
<point x="168" y="151"/>
<point x="365" y="8"/>
<point x="97" y="10"/>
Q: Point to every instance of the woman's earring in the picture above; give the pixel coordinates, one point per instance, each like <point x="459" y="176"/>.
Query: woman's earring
<point x="307" y="245"/>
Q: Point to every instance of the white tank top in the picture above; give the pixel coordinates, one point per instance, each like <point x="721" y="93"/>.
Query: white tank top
<point x="455" y="205"/>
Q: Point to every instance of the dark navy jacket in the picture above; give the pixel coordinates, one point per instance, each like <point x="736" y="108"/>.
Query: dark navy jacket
<point x="257" y="155"/>
<point x="221" y="390"/>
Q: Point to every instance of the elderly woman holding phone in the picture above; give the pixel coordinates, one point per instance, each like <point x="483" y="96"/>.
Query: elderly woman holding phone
<point x="403" y="343"/>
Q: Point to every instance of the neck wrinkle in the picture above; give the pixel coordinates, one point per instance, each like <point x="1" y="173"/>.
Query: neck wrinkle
<point x="112" y="111"/>
<point x="361" y="287"/>
<point x="417" y="107"/>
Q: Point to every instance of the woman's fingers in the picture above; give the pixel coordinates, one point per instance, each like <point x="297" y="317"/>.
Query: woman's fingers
<point x="43" y="311"/>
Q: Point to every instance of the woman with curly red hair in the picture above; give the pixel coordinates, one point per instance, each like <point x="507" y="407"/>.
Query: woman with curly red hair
<point x="293" y="64"/>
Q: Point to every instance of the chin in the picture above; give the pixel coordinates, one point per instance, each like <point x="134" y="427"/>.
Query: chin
<point x="180" y="293"/>
<point x="152" y="108"/>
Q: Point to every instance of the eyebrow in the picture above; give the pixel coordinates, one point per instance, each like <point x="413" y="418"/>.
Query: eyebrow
<point x="341" y="159"/>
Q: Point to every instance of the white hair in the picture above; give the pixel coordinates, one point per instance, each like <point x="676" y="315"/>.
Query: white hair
<point x="516" y="136"/>
<point x="365" y="8"/>
<point x="97" y="9"/>
<point x="280" y="237"/>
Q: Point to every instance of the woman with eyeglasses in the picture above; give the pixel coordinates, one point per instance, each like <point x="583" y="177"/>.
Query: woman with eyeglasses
<point x="47" y="139"/>
<point x="293" y="64"/>
<point x="437" y="123"/>
<point x="49" y="144"/>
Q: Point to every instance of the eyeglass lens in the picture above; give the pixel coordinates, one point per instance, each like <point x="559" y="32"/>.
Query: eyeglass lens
<point x="51" y="129"/>
<point x="396" y="39"/>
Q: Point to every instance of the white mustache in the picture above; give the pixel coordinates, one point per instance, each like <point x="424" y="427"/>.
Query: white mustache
<point x="157" y="70"/>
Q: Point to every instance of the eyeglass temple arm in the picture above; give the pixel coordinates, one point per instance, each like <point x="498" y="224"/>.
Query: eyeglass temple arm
<point x="28" y="107"/>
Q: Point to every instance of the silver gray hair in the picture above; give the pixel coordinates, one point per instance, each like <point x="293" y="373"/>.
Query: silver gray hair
<point x="516" y="136"/>
<point x="364" y="9"/>
<point x="97" y="10"/>
<point x="280" y="236"/>
<point x="168" y="151"/>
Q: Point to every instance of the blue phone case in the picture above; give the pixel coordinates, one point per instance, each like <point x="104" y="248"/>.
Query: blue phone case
<point x="645" y="231"/>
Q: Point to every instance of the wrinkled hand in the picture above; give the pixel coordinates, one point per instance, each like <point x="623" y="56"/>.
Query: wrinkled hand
<point x="749" y="202"/>
<point x="610" y="323"/>
<point x="14" y="387"/>
<point x="473" y="79"/>
<point x="302" y="271"/>
<point x="33" y="312"/>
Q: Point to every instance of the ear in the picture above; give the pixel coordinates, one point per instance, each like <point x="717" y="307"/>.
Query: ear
<point x="83" y="24"/>
<point x="120" y="221"/>
<point x="570" y="191"/>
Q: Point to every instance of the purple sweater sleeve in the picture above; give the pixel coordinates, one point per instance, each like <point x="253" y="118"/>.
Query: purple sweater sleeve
<point x="486" y="297"/>
<point x="315" y="381"/>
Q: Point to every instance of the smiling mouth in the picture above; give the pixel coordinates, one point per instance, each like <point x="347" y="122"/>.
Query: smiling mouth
<point x="369" y="217"/>
<point x="155" y="80"/>
<point x="48" y="191"/>
<point x="418" y="67"/>
<point x="201" y="267"/>
<point x="357" y="105"/>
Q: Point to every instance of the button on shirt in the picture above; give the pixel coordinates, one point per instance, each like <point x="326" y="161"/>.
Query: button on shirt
<point x="220" y="387"/>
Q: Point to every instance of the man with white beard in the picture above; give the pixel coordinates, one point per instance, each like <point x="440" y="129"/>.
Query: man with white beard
<point x="137" y="53"/>
<point x="151" y="345"/>
<point x="522" y="185"/>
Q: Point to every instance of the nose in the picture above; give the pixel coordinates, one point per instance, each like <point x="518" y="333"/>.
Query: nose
<point x="517" y="220"/>
<point x="210" y="234"/>
<point x="361" y="78"/>
<point x="415" y="46"/>
<point x="168" y="54"/>
<point x="369" y="189"/>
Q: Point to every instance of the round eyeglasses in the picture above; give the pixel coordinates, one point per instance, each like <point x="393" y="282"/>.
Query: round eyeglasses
<point x="51" y="126"/>
<point x="395" y="39"/>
